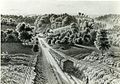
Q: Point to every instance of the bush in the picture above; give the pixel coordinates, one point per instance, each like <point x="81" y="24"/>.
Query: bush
<point x="11" y="38"/>
<point x="36" y="48"/>
<point x="25" y="36"/>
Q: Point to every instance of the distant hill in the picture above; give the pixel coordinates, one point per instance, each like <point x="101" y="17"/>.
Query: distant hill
<point x="113" y="23"/>
<point x="110" y="18"/>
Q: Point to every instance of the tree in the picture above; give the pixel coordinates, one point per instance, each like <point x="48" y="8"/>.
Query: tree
<point x="25" y="36"/>
<point x="65" y="40"/>
<point x="42" y="23"/>
<point x="102" y="42"/>
<point x="79" y="40"/>
<point x="11" y="38"/>
<point x="11" y="22"/>
<point x="16" y="34"/>
<point x="35" y="48"/>
<point x="57" y="42"/>
<point x="21" y="27"/>
<point x="3" y="36"/>
<point x="74" y="27"/>
<point x="87" y="38"/>
<point x="93" y="34"/>
<point x="9" y="31"/>
<point x="79" y="13"/>
<point x="53" y="40"/>
<point x="4" y="21"/>
<point x="49" y="41"/>
<point x="28" y="28"/>
<point x="59" y="19"/>
<point x="68" y="20"/>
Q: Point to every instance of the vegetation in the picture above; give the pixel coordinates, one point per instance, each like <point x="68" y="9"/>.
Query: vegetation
<point x="19" y="18"/>
<point x="9" y="36"/>
<point x="66" y="30"/>
<point x="53" y="21"/>
<point x="113" y="22"/>
<point x="23" y="33"/>
<point x="65" y="33"/>
<point x="102" y="42"/>
<point x="72" y="36"/>
<point x="110" y="18"/>
<point x="16" y="68"/>
<point x="8" y="22"/>
<point x="36" y="48"/>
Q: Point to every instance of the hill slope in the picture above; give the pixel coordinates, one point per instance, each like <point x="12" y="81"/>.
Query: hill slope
<point x="110" y="18"/>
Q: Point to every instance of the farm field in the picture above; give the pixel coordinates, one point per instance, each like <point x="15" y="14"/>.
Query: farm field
<point x="16" y="48"/>
<point x="17" y="65"/>
<point x="76" y="52"/>
<point x="17" y="68"/>
<point x="16" y="74"/>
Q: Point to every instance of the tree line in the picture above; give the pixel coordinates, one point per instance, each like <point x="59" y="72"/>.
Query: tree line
<point x="22" y="33"/>
<point x="54" y="21"/>
<point x="8" y="22"/>
<point x="19" y="18"/>
<point x="88" y="37"/>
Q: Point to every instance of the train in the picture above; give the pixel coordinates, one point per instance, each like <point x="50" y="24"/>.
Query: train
<point x="65" y="64"/>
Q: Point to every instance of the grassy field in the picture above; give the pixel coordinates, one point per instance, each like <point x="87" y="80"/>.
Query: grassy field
<point x="75" y="51"/>
<point x="15" y="48"/>
<point x="18" y="66"/>
<point x="16" y="74"/>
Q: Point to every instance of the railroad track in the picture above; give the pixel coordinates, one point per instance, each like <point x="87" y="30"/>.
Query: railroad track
<point x="59" y="75"/>
<point x="86" y="62"/>
<point x="102" y="66"/>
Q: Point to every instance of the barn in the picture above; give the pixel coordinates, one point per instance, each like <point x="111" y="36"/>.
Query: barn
<point x="61" y="29"/>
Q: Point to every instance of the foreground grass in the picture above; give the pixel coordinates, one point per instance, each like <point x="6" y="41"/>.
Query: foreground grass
<point x="15" y="74"/>
<point x="17" y="67"/>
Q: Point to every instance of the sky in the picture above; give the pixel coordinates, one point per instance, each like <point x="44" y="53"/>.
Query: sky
<point x="26" y="7"/>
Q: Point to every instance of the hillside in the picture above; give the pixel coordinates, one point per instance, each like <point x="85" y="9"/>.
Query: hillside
<point x="113" y="26"/>
<point x="110" y="18"/>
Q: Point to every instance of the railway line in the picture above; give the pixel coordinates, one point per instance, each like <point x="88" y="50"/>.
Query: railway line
<point x="71" y="79"/>
<point x="103" y="66"/>
<point x="54" y="71"/>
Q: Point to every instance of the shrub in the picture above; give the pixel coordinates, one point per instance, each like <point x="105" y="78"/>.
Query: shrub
<point x="35" y="48"/>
